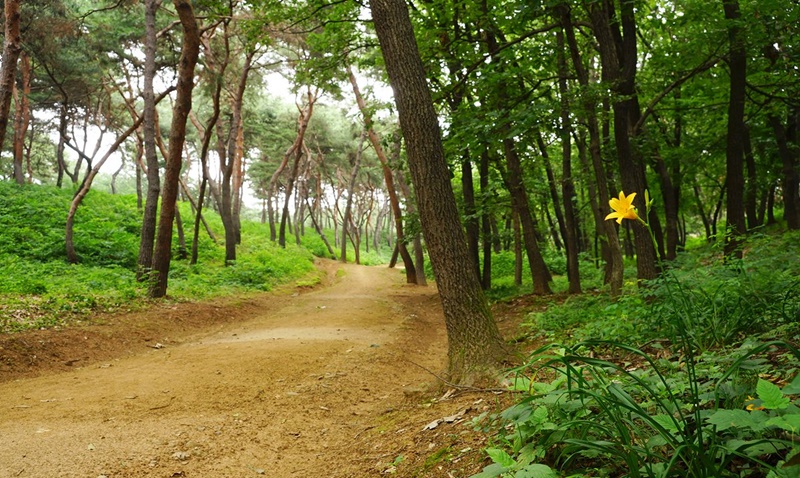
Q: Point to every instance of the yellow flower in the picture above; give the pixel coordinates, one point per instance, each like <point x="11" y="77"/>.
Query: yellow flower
<point x="623" y="208"/>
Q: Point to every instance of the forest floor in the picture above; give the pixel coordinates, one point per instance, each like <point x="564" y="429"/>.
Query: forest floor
<point x="331" y="381"/>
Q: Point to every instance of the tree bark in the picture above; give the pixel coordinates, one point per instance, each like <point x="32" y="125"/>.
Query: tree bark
<point x="12" y="46"/>
<point x="567" y="183"/>
<point x="351" y="187"/>
<point x="474" y="342"/>
<point x="618" y="57"/>
<point x="789" y="179"/>
<point x="734" y="165"/>
<point x="190" y="50"/>
<point x="22" y="117"/>
<point x="148" y="233"/>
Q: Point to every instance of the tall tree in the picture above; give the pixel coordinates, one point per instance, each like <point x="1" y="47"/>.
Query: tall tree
<point x="190" y="50"/>
<point x="411" y="275"/>
<point x="12" y="46"/>
<point x="474" y="341"/>
<point x="148" y="233"/>
<point x="734" y="179"/>
<point x="615" y="32"/>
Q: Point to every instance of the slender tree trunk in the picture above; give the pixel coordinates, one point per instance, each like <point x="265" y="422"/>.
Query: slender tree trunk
<point x="190" y="50"/>
<point x="472" y="226"/>
<point x="236" y="149"/>
<point x="61" y="166"/>
<point x="72" y="256"/>
<point x="486" y="226"/>
<point x="182" y="253"/>
<point x="12" y="46"/>
<point x="734" y="179"/>
<point x="351" y="187"/>
<point x="474" y="342"/>
<point x="751" y="190"/>
<point x="519" y="195"/>
<point x="408" y="263"/>
<point x="148" y="233"/>
<point x="22" y="117"/>
<point x="297" y="150"/>
<point x="567" y="183"/>
<point x="618" y="56"/>
<point x="789" y="179"/>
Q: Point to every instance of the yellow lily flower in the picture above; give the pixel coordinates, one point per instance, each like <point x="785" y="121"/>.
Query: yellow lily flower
<point x="623" y="208"/>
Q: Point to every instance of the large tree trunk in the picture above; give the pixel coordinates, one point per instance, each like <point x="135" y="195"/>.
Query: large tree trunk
<point x="12" y="46"/>
<point x="190" y="50"/>
<point x="148" y="233"/>
<point x="474" y="342"/>
<point x="734" y="179"/>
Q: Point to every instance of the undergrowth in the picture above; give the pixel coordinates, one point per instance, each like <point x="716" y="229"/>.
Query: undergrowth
<point x="692" y="375"/>
<point x="38" y="288"/>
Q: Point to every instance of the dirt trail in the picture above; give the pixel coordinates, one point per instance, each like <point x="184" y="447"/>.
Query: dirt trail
<point x="299" y="389"/>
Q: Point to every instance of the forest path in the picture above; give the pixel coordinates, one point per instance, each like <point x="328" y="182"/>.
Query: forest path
<point x="290" y="391"/>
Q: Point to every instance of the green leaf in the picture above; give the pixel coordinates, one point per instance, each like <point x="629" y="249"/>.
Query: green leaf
<point x="667" y="422"/>
<point x="725" y="419"/>
<point x="794" y="387"/>
<point x="491" y="471"/>
<point x="755" y="447"/>
<point x="536" y="471"/>
<point x="500" y="457"/>
<point x="790" y="423"/>
<point x="771" y="396"/>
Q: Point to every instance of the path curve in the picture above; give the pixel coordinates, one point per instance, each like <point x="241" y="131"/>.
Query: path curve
<point x="284" y="394"/>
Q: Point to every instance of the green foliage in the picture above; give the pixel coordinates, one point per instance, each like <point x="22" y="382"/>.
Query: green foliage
<point x="632" y="414"/>
<point x="39" y="289"/>
<point x="681" y="406"/>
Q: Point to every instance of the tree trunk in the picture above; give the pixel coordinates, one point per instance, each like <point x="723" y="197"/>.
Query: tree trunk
<point x="474" y="342"/>
<point x="351" y="187"/>
<point x="734" y="165"/>
<point x="516" y="187"/>
<point x="12" y="46"/>
<point x="236" y="149"/>
<point x="789" y="179"/>
<point x="751" y="189"/>
<point x="190" y="50"/>
<point x="148" y="233"/>
<point x="61" y="166"/>
<point x="486" y="226"/>
<point x="22" y="117"/>
<point x="408" y="263"/>
<point x="297" y="150"/>
<point x="618" y="57"/>
<point x="567" y="184"/>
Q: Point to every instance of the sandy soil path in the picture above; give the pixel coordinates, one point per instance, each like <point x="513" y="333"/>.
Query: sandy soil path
<point x="287" y="393"/>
